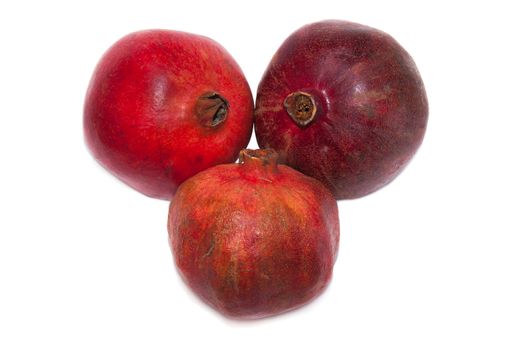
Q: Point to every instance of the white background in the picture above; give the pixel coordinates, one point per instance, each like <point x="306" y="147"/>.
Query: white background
<point x="434" y="261"/>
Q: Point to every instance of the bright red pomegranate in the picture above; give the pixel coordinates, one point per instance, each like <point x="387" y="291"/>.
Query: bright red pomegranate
<point x="344" y="103"/>
<point x="254" y="239"/>
<point x="163" y="105"/>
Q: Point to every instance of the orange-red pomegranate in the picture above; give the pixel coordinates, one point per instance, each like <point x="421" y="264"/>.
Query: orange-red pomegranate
<point x="254" y="239"/>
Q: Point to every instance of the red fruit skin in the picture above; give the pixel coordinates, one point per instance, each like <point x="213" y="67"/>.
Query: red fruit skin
<point x="372" y="107"/>
<point x="254" y="239"/>
<point x="141" y="117"/>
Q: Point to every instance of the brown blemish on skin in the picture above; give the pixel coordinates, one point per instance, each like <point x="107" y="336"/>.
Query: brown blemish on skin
<point x="210" y="249"/>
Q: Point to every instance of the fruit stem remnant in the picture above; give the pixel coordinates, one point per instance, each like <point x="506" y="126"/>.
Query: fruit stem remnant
<point x="266" y="158"/>
<point x="211" y="109"/>
<point x="301" y="107"/>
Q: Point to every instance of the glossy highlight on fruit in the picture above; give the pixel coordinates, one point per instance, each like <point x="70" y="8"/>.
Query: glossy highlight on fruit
<point x="163" y="105"/>
<point x="254" y="239"/>
<point x="343" y="103"/>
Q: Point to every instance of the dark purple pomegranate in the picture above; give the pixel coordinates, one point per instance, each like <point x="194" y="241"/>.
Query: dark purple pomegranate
<point x="343" y="103"/>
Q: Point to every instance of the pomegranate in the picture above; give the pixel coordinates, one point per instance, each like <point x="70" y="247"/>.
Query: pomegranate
<point x="344" y="103"/>
<point x="163" y="105"/>
<point x="254" y="239"/>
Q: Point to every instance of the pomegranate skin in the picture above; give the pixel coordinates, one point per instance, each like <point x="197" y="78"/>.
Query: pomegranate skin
<point x="343" y="103"/>
<point x="163" y="105"/>
<point x="254" y="239"/>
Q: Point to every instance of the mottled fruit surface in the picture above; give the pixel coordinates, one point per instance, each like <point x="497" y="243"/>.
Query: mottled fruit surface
<point x="163" y="105"/>
<point x="343" y="103"/>
<point x="254" y="239"/>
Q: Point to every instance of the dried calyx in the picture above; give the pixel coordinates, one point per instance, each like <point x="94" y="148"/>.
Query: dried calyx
<point x="211" y="109"/>
<point x="301" y="107"/>
<point x="266" y="158"/>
